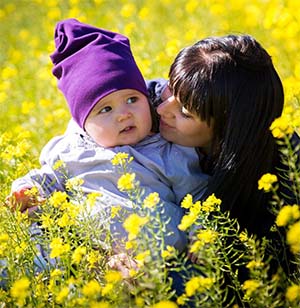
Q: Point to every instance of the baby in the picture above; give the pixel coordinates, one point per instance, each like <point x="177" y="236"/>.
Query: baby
<point x="108" y="100"/>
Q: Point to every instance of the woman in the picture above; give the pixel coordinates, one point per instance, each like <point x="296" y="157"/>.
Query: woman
<point x="223" y="94"/>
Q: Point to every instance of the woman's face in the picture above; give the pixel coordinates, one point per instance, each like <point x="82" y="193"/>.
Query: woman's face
<point x="180" y="126"/>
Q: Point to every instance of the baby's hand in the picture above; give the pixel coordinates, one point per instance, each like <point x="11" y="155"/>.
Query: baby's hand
<point x="24" y="198"/>
<point x="123" y="263"/>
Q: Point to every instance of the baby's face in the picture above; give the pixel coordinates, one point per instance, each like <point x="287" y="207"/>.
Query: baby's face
<point x="120" y="118"/>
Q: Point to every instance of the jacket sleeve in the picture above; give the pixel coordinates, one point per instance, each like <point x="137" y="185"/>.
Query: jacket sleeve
<point x="46" y="179"/>
<point x="185" y="174"/>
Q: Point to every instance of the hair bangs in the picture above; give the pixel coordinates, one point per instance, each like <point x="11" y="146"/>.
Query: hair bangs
<point x="188" y="87"/>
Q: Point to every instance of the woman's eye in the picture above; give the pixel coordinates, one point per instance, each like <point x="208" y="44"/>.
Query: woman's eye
<point x="187" y="116"/>
<point x="132" y="100"/>
<point x="185" y="113"/>
<point x="105" y="109"/>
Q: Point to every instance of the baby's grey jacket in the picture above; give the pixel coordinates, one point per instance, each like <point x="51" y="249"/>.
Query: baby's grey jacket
<point x="160" y="166"/>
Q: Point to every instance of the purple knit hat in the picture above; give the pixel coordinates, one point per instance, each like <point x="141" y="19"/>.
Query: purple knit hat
<point x="91" y="63"/>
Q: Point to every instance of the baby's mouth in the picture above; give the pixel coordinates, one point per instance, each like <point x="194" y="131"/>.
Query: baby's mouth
<point x="127" y="129"/>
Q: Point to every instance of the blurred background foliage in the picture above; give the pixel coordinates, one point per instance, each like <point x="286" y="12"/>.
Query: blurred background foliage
<point x="31" y="105"/>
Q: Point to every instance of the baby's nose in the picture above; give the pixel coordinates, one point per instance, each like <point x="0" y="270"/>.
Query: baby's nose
<point x="124" y="114"/>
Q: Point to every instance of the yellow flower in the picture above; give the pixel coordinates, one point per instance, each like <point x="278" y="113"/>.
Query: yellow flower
<point x="187" y="221"/>
<point x="74" y="183"/>
<point x="98" y="304"/>
<point x="181" y="300"/>
<point x="32" y="192"/>
<point x="293" y="293"/>
<point x="27" y="107"/>
<point x="128" y="10"/>
<point x="132" y="273"/>
<point x="93" y="258"/>
<point x="139" y="301"/>
<point x="108" y="288"/>
<point x="151" y="200"/>
<point x="133" y="223"/>
<point x="121" y="159"/>
<point x="211" y="204"/>
<point x="22" y="148"/>
<point x="47" y="221"/>
<point x="254" y="264"/>
<point x="130" y="245"/>
<point x="58" y="248"/>
<point x="58" y="198"/>
<point x="266" y="181"/>
<point x="197" y="284"/>
<point x="65" y="220"/>
<point x="92" y="288"/>
<point x="78" y="254"/>
<point x="187" y="201"/>
<point x="21" y="248"/>
<point x="207" y="236"/>
<point x="144" y="13"/>
<point x="126" y="182"/>
<point x="56" y="273"/>
<point x="293" y="237"/>
<point x="92" y="198"/>
<point x="20" y="290"/>
<point x="196" y="246"/>
<point x="113" y="276"/>
<point x="129" y="28"/>
<point x="168" y="253"/>
<point x="54" y="13"/>
<point x="115" y="210"/>
<point x="191" y="6"/>
<point x="8" y="72"/>
<point x="62" y="295"/>
<point x="165" y="304"/>
<point x="281" y="127"/>
<point x="286" y="214"/>
<point x="250" y="286"/>
<point x="243" y="236"/>
<point x="196" y="208"/>
<point x="4" y="237"/>
<point x="172" y="47"/>
<point x="143" y="257"/>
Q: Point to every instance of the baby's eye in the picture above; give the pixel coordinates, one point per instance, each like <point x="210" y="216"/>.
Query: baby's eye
<point x="105" y="109"/>
<point x="132" y="100"/>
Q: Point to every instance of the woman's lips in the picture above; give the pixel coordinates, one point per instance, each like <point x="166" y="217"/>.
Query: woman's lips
<point x="165" y="125"/>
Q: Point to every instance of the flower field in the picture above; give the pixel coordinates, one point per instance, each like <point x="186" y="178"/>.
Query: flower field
<point x="33" y="111"/>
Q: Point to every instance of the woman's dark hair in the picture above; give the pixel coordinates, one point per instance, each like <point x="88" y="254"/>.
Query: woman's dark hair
<point x="230" y="82"/>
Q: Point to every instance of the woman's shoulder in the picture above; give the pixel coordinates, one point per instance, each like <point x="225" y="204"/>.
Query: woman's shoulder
<point x="155" y="88"/>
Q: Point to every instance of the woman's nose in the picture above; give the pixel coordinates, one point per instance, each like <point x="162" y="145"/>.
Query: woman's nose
<point x="166" y="108"/>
